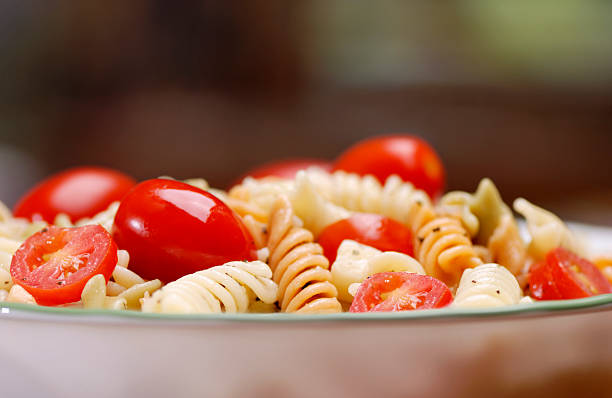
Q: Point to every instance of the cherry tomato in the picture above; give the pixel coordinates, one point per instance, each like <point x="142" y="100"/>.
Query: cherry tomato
<point x="564" y="275"/>
<point x="373" y="230"/>
<point x="400" y="291"/>
<point x="79" y="192"/>
<point x="410" y="157"/>
<point x="286" y="168"/>
<point x="172" y="229"/>
<point x="54" y="264"/>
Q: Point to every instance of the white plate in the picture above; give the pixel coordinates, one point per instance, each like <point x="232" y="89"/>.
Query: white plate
<point x="554" y="349"/>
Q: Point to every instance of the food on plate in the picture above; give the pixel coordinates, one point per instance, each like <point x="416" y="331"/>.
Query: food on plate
<point x="370" y="229"/>
<point x="407" y="156"/>
<point x="172" y="229"/>
<point x="400" y="291"/>
<point x="565" y="275"/>
<point x="78" y="193"/>
<point x="292" y="237"/>
<point x="54" y="265"/>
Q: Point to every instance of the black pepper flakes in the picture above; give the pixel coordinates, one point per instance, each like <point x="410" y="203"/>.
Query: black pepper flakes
<point x="355" y="252"/>
<point x="436" y="229"/>
<point x="44" y="230"/>
<point x="498" y="292"/>
<point x="473" y="281"/>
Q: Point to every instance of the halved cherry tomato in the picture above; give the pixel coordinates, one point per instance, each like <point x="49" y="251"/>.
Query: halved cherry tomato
<point x="564" y="275"/>
<point x="172" y="229"/>
<point x="54" y="264"/>
<point x="400" y="291"/>
<point x="286" y="168"/>
<point x="373" y="230"/>
<point x="410" y="157"/>
<point x="79" y="192"/>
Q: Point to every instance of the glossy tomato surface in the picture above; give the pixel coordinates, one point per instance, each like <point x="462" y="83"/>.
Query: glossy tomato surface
<point x="373" y="230"/>
<point x="286" y="168"/>
<point x="564" y="275"/>
<point x="172" y="229"/>
<point x="410" y="157"/>
<point x="79" y="192"/>
<point x="400" y="291"/>
<point x="54" y="264"/>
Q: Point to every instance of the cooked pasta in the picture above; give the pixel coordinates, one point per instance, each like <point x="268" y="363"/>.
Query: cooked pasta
<point x="488" y="285"/>
<point x="488" y="206"/>
<point x="8" y="247"/>
<point x="299" y="267"/>
<point x="457" y="204"/>
<point x="232" y="287"/>
<point x="395" y="199"/>
<point x="315" y="211"/>
<point x="507" y="246"/>
<point x="546" y="229"/>
<point x="355" y="262"/>
<point x="260" y="194"/>
<point x="445" y="249"/>
<point x="17" y="294"/>
<point x="94" y="296"/>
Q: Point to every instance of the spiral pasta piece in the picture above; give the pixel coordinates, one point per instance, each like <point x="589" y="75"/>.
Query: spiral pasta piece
<point x="395" y="199"/>
<point x="507" y="246"/>
<point x="445" y="249"/>
<point x="300" y="269"/>
<point x="231" y="288"/>
<point x="488" y="285"/>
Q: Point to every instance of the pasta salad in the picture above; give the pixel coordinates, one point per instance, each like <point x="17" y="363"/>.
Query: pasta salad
<point x="371" y="232"/>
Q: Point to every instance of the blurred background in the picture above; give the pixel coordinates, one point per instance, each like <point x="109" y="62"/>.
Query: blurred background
<point x="519" y="91"/>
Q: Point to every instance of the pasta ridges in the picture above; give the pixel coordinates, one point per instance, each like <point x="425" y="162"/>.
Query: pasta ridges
<point x="298" y="265"/>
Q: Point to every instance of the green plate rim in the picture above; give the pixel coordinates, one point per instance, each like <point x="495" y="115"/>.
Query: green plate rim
<point x="12" y="310"/>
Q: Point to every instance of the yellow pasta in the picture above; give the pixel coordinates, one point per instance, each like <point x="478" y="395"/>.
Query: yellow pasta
<point x="232" y="287"/>
<point x="507" y="246"/>
<point x="299" y="267"/>
<point x="445" y="249"/>
<point x="395" y="199"/>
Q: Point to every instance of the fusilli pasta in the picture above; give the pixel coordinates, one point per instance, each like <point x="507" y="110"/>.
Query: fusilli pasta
<point x="300" y="269"/>
<point x="445" y="250"/>
<point x="232" y="287"/>
<point x="355" y="262"/>
<point x="488" y="285"/>
<point x="546" y="229"/>
<point x="395" y="199"/>
<point x="507" y="246"/>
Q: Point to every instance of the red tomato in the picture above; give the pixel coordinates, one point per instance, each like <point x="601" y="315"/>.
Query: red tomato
<point x="411" y="158"/>
<point x="286" y="168"/>
<point x="55" y="264"/>
<point x="79" y="192"/>
<point x="400" y="291"/>
<point x="172" y="229"/>
<point x="373" y="230"/>
<point x="565" y="275"/>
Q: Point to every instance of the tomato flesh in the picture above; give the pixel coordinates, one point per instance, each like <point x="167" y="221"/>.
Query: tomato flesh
<point x="172" y="229"/>
<point x="54" y="264"/>
<point x="79" y="192"/>
<point x="410" y="157"/>
<point x="373" y="230"/>
<point x="564" y="275"/>
<point x="400" y="291"/>
<point x="286" y="168"/>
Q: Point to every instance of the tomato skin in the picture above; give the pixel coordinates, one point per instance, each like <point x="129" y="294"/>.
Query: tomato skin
<point x="373" y="230"/>
<point x="79" y="192"/>
<point x="172" y="229"/>
<point x="286" y="168"/>
<point x="564" y="275"/>
<point x="43" y="264"/>
<point x="410" y="157"/>
<point x="405" y="291"/>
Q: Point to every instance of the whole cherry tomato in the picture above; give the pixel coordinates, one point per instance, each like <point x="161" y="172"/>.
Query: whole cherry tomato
<point x="286" y="168"/>
<point x="172" y="229"/>
<point x="410" y="157"/>
<point x="54" y="264"/>
<point x="564" y="275"/>
<point x="79" y="192"/>
<point x="400" y="291"/>
<point x="373" y="230"/>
